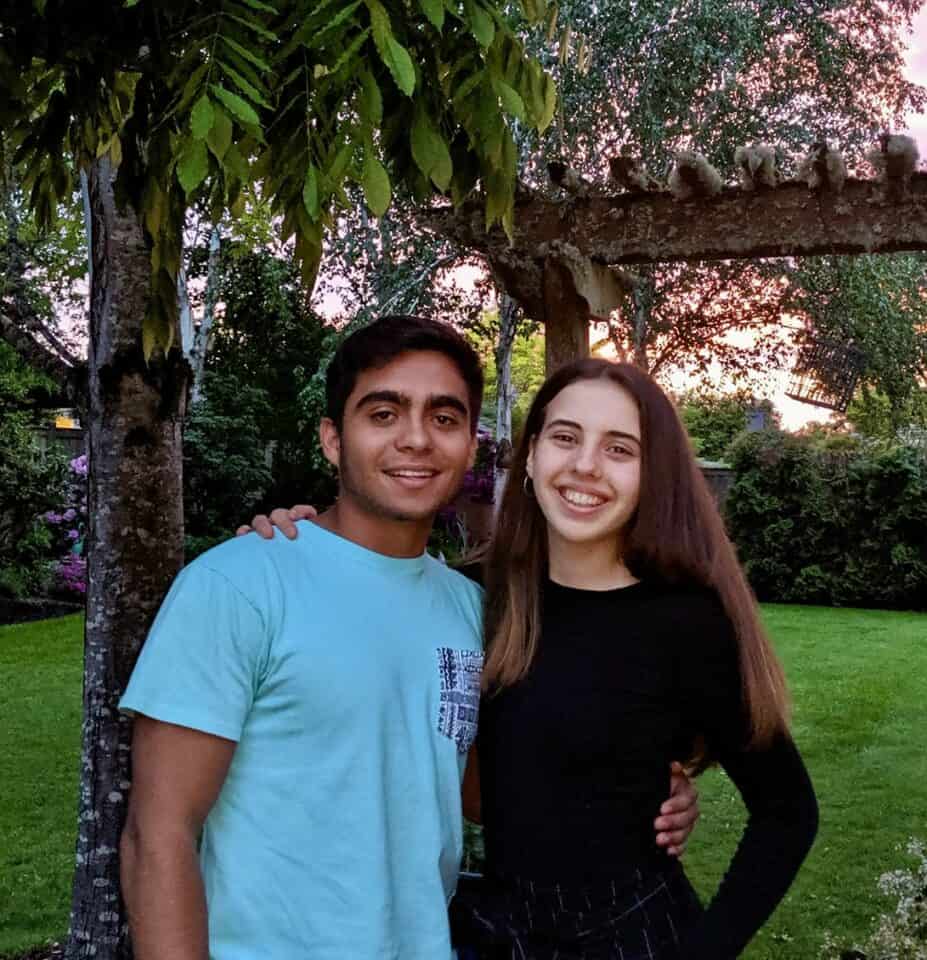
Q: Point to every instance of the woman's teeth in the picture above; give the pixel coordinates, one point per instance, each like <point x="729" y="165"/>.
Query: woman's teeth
<point x="581" y="499"/>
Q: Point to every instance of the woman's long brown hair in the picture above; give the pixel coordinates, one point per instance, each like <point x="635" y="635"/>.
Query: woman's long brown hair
<point x="675" y="536"/>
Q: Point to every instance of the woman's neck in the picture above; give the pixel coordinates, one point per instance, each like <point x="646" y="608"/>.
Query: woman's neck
<point x="587" y="566"/>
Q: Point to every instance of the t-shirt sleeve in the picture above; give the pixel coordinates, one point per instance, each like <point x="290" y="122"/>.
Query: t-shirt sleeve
<point x="775" y="787"/>
<point x="204" y="658"/>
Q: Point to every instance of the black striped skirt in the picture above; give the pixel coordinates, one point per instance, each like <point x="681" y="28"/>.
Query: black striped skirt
<point x="643" y="916"/>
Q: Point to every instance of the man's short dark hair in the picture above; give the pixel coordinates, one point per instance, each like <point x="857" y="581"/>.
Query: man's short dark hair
<point x="383" y="341"/>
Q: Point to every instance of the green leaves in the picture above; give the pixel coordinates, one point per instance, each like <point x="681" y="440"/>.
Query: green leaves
<point x="375" y="181"/>
<point x="240" y="108"/>
<point x="434" y="10"/>
<point x="480" y="21"/>
<point x="512" y="103"/>
<point x="430" y="152"/>
<point x="192" y="165"/>
<point x="249" y="55"/>
<point x="219" y="137"/>
<point x="393" y="54"/>
<point x="370" y="100"/>
<point x="311" y="193"/>
<point x="201" y="118"/>
<point x="248" y="89"/>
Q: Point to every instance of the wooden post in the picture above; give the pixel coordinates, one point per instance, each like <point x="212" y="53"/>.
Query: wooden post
<point x="566" y="317"/>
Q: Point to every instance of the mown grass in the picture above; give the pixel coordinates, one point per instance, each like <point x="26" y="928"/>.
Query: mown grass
<point x="859" y="680"/>
<point x="40" y="713"/>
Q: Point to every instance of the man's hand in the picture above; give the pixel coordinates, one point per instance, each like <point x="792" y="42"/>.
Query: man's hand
<point x="283" y="519"/>
<point x="678" y="814"/>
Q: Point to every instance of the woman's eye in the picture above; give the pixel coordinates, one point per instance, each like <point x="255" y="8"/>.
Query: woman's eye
<point x="620" y="451"/>
<point x="563" y="437"/>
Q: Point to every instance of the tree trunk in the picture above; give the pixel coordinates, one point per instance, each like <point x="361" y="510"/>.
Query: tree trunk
<point x="203" y="334"/>
<point x="566" y="318"/>
<point x="642" y="298"/>
<point x="509" y="315"/>
<point x="135" y="546"/>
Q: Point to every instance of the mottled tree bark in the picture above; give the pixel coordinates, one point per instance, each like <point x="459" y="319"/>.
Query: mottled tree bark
<point x="204" y="332"/>
<point x="135" y="547"/>
<point x="509" y="315"/>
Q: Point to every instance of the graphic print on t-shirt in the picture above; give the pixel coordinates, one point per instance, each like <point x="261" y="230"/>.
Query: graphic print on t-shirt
<point x="460" y="672"/>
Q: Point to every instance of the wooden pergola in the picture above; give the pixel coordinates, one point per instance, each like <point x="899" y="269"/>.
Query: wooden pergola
<point x="564" y="266"/>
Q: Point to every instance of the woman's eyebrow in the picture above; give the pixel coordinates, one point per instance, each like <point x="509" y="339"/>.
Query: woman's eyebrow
<point x="572" y="424"/>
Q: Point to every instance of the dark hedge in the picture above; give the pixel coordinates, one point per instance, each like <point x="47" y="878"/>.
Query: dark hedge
<point x="841" y="523"/>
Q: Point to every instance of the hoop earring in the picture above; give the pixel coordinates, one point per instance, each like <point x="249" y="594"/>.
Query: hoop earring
<point x="529" y="492"/>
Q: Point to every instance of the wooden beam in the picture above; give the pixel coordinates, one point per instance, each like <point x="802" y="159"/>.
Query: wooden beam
<point x="655" y="228"/>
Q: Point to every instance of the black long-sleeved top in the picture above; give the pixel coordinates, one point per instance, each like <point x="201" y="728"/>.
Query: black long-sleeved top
<point x="574" y="760"/>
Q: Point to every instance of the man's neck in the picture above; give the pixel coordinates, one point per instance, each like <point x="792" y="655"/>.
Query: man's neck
<point x="393" y="538"/>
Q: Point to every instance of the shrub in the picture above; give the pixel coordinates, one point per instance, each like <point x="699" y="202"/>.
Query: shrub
<point x="830" y="520"/>
<point x="68" y="527"/>
<point x="31" y="480"/>
<point x="226" y="460"/>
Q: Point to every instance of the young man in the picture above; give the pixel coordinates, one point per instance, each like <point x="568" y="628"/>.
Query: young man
<point x="308" y="705"/>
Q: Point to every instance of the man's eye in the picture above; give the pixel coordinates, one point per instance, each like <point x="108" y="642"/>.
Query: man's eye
<point x="383" y="416"/>
<point x="446" y="420"/>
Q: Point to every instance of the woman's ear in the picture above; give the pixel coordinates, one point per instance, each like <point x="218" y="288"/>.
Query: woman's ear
<point x="529" y="463"/>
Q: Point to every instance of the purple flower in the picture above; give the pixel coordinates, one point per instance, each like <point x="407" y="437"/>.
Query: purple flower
<point x="79" y="465"/>
<point x="73" y="534"/>
<point x="72" y="574"/>
<point x="69" y="514"/>
<point x="53" y="517"/>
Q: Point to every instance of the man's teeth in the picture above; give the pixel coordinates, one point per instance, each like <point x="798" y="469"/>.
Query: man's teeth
<point x="581" y="499"/>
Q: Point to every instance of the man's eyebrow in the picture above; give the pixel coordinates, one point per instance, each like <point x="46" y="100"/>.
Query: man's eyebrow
<point x="609" y="433"/>
<point x="447" y="400"/>
<point x="384" y="396"/>
<point x="434" y="402"/>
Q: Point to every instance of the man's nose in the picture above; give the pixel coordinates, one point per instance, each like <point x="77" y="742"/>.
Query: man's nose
<point x="414" y="434"/>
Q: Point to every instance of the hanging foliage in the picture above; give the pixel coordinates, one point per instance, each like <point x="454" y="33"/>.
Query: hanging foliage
<point x="191" y="101"/>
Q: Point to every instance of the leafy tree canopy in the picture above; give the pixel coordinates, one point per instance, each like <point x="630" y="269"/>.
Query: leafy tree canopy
<point x="528" y="369"/>
<point x="193" y="101"/>
<point x="880" y="305"/>
<point x="714" y="420"/>
<point x="662" y="75"/>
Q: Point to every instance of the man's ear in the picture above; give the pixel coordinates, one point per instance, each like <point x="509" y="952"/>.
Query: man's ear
<point x="474" y="446"/>
<point x="330" y="439"/>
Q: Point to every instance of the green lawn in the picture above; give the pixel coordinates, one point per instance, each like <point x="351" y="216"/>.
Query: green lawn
<point x="859" y="679"/>
<point x="40" y="712"/>
<point x="859" y="682"/>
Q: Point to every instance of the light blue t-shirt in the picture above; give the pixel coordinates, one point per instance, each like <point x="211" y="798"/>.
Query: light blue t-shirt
<point x="350" y="681"/>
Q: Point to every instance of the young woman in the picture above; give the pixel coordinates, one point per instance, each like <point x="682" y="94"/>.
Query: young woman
<point x="621" y="635"/>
